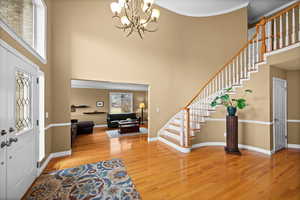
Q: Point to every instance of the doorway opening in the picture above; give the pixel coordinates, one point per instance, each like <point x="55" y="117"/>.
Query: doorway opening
<point x="120" y="109"/>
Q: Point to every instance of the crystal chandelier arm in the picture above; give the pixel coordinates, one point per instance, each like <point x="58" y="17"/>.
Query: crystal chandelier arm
<point x="126" y="14"/>
<point x="131" y="31"/>
<point x="140" y="34"/>
<point x="148" y="20"/>
<point x="151" y="31"/>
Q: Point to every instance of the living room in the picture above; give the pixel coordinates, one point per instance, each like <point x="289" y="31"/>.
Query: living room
<point x="98" y="104"/>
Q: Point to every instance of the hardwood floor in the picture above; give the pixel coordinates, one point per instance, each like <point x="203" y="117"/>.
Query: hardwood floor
<point x="161" y="173"/>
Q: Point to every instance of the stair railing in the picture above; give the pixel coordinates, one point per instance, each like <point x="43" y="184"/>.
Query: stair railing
<point x="276" y="32"/>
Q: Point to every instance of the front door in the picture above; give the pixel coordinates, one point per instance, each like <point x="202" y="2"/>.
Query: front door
<point x="279" y="113"/>
<point x="19" y="152"/>
<point x="3" y="124"/>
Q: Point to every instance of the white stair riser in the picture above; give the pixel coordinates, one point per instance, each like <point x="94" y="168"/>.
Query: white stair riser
<point x="176" y="128"/>
<point x="171" y="135"/>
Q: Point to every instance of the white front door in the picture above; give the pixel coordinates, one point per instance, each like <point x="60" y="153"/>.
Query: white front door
<point x="19" y="154"/>
<point x="3" y="124"/>
<point x="279" y="113"/>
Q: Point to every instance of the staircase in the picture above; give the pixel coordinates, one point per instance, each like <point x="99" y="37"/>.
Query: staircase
<point x="277" y="32"/>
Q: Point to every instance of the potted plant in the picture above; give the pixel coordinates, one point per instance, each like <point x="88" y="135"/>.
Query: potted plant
<point x="230" y="103"/>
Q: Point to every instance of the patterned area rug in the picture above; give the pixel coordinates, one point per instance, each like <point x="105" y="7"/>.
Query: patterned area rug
<point x="116" y="134"/>
<point x="107" y="180"/>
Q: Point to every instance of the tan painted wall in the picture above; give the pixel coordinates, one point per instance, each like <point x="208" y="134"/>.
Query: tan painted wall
<point x="45" y="68"/>
<point x="90" y="96"/>
<point x="257" y="135"/>
<point x="175" y="61"/>
<point x="293" y="78"/>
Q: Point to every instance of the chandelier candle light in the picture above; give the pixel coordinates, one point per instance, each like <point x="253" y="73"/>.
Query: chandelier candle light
<point x="135" y="16"/>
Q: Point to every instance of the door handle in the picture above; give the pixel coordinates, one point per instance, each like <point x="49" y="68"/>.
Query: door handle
<point x="3" y="144"/>
<point x="10" y="141"/>
<point x="3" y="132"/>
<point x="11" y="129"/>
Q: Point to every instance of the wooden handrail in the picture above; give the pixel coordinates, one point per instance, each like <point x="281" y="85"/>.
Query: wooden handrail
<point x="262" y="24"/>
<point x="224" y="66"/>
<point x="284" y="11"/>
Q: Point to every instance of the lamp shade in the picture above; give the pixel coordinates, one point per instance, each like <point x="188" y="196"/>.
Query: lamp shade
<point x="142" y="105"/>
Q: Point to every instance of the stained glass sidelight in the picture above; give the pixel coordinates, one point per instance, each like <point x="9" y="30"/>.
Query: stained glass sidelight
<point x="23" y="101"/>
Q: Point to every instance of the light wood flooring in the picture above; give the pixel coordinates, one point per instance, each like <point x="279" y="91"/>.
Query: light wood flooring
<point x="160" y="172"/>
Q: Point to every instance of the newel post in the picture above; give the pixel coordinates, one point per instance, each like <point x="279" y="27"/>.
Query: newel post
<point x="187" y="127"/>
<point x="263" y="49"/>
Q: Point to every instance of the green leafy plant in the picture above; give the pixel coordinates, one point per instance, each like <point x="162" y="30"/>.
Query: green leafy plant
<point x="226" y="100"/>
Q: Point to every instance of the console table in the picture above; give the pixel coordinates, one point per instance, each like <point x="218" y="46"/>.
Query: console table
<point x="129" y="126"/>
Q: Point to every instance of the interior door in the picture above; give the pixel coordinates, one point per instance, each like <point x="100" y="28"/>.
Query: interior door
<point x="279" y="113"/>
<point x="21" y="144"/>
<point x="3" y="123"/>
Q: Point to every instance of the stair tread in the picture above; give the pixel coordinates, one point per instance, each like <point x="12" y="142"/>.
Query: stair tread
<point x="173" y="131"/>
<point x="170" y="139"/>
<point x="193" y="120"/>
<point x="178" y="125"/>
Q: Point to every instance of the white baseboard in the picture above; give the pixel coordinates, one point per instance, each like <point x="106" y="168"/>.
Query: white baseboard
<point x="242" y="146"/>
<point x="61" y="154"/>
<point x="294" y="146"/>
<point x="152" y="139"/>
<point x="53" y="155"/>
<point x="45" y="163"/>
<point x="178" y="148"/>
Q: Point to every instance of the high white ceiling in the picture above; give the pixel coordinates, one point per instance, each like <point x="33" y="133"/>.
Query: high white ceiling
<point x="108" y="85"/>
<point x="202" y="8"/>
<point x="205" y="8"/>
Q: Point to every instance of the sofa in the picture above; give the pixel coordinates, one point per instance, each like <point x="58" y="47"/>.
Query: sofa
<point x="113" y="119"/>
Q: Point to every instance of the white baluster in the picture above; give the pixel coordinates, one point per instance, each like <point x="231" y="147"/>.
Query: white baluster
<point x="281" y="32"/>
<point x="275" y="35"/>
<point x="241" y="65"/>
<point x="287" y="35"/>
<point x="233" y="72"/>
<point x="269" y="35"/>
<point x="182" y="132"/>
<point x="220" y="81"/>
<point x="249" y="57"/>
<point x="257" y="49"/>
<point x="229" y="75"/>
<point x="294" y="25"/>
<point x="237" y="70"/>
<point x="245" y="63"/>
<point x="253" y="54"/>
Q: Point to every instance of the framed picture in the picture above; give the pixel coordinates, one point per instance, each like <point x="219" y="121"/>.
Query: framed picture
<point x="99" y="104"/>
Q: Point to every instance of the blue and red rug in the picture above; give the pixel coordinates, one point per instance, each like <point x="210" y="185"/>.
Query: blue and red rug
<point x="107" y="180"/>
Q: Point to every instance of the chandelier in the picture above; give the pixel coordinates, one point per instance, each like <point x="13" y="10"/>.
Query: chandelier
<point x="135" y="16"/>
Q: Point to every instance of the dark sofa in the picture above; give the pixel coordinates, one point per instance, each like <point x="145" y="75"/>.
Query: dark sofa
<point x="113" y="119"/>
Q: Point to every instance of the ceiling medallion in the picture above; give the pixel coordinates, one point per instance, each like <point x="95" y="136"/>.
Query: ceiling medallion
<point x="135" y="16"/>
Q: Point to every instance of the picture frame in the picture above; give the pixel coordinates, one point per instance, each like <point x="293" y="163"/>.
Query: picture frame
<point x="99" y="104"/>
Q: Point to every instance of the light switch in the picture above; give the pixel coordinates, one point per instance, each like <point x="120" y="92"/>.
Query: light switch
<point x="46" y="115"/>
<point x="157" y="109"/>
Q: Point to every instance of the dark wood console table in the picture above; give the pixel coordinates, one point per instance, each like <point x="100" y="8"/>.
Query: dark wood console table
<point x="129" y="126"/>
<point x="232" y="135"/>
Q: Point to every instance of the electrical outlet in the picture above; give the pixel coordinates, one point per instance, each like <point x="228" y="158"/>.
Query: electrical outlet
<point x="224" y="134"/>
<point x="157" y="109"/>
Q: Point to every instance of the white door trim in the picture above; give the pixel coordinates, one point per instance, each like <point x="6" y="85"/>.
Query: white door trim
<point x="285" y="108"/>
